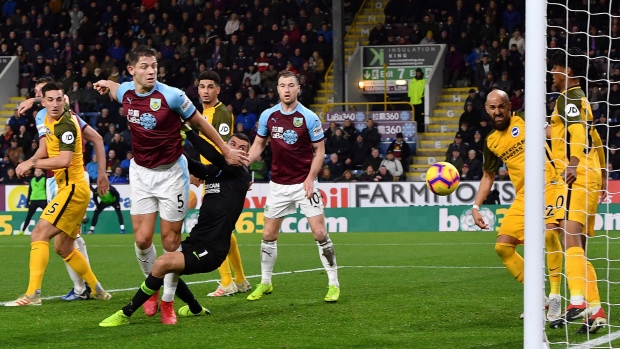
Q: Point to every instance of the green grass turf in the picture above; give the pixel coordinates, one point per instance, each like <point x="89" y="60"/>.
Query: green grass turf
<point x="399" y="290"/>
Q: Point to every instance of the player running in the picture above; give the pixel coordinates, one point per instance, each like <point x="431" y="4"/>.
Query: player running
<point x="578" y="155"/>
<point x="209" y="241"/>
<point x="216" y="113"/>
<point x="111" y="199"/>
<point x="298" y="152"/>
<point x="158" y="174"/>
<point x="63" y="215"/>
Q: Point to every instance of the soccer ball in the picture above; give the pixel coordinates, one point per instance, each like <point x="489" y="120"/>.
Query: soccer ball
<point x="442" y="178"/>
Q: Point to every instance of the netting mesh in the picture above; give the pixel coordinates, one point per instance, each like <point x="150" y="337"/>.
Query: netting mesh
<point x="583" y="89"/>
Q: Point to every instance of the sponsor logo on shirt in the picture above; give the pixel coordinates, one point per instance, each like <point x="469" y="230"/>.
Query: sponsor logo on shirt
<point x="224" y="129"/>
<point x="148" y="121"/>
<point x="290" y="137"/>
<point x="186" y="104"/>
<point x="276" y="132"/>
<point x="155" y="104"/>
<point x="67" y="137"/>
<point x="571" y="110"/>
<point x="317" y="131"/>
<point x="212" y="188"/>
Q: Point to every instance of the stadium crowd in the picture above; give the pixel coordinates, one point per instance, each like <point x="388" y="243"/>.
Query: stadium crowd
<point x="79" y="42"/>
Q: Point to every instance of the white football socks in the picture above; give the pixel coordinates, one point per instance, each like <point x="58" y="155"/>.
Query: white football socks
<point x="146" y="258"/>
<point x="79" y="285"/>
<point x="328" y="258"/>
<point x="268" y="255"/>
<point x="171" y="281"/>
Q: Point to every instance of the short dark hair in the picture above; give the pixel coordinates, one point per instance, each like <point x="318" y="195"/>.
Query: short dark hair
<point x="141" y="51"/>
<point x="210" y="75"/>
<point x="575" y="59"/>
<point x="44" y="80"/>
<point x="288" y="74"/>
<point x="243" y="137"/>
<point x="51" y="86"/>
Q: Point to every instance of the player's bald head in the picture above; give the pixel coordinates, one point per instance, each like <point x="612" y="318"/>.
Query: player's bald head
<point x="497" y="96"/>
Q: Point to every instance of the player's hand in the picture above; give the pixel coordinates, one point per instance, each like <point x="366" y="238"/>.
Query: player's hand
<point x="603" y="195"/>
<point x="194" y="180"/>
<point x="236" y="157"/>
<point x="478" y="219"/>
<point x="570" y="175"/>
<point x="23" y="168"/>
<point x="103" y="185"/>
<point x="23" y="107"/>
<point x="102" y="86"/>
<point x="309" y="187"/>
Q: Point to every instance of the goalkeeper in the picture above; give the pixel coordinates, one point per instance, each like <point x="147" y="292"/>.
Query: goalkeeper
<point x="111" y="198"/>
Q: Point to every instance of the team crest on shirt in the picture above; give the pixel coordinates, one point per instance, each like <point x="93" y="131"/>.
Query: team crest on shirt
<point x="155" y="104"/>
<point x="297" y="122"/>
<point x="515" y="131"/>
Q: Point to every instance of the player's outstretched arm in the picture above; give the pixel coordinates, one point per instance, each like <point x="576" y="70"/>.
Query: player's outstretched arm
<point x="486" y="183"/>
<point x="107" y="86"/>
<point x="93" y="136"/>
<point x="232" y="156"/>
<point x="205" y="149"/>
<point x="24" y="106"/>
<point x="41" y="152"/>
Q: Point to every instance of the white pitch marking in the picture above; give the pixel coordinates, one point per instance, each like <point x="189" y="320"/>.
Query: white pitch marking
<point x="598" y="341"/>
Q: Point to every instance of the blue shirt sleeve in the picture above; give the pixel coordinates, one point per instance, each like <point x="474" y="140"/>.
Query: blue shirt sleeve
<point x="39" y="121"/>
<point x="79" y="120"/>
<point x="315" y="128"/>
<point x="178" y="101"/>
<point x="124" y="87"/>
<point x="262" y="123"/>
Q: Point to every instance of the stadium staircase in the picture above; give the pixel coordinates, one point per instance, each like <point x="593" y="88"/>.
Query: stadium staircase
<point x="357" y="34"/>
<point x="8" y="110"/>
<point x="432" y="144"/>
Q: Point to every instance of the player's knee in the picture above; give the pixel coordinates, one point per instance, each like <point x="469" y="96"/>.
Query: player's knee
<point x="551" y="236"/>
<point x="320" y="234"/>
<point x="504" y="251"/>
<point x="143" y="242"/>
<point x="160" y="267"/>
<point x="170" y="243"/>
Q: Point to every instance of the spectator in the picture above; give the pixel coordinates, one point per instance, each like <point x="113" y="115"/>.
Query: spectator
<point x="465" y="175"/>
<point x="457" y="145"/>
<point x="456" y="160"/>
<point x="368" y="175"/>
<point x="373" y="160"/>
<point x="602" y="128"/>
<point x="111" y="162"/>
<point x="378" y="34"/>
<point x="347" y="176"/>
<point x="517" y="101"/>
<point x="393" y="165"/>
<point x="613" y="98"/>
<point x="118" y="145"/>
<point x="383" y="175"/>
<point x="359" y="151"/>
<point x="484" y="128"/>
<point x="336" y="166"/>
<point x="337" y="144"/>
<point x="34" y="146"/>
<point x="482" y="69"/>
<point x="613" y="174"/>
<point x="466" y="134"/>
<point x="10" y="177"/>
<point x="237" y="103"/>
<point x="17" y="120"/>
<point x="502" y="175"/>
<point x="416" y="97"/>
<point x="401" y="151"/>
<point x="107" y="137"/>
<point x="428" y="39"/>
<point x="474" y="164"/>
<point x="330" y="131"/>
<point x="247" y="118"/>
<point x="517" y="40"/>
<point x="23" y="138"/>
<point x="505" y="84"/>
<point x="259" y="170"/>
<point x="371" y="134"/>
<point x="454" y="67"/>
<point x="477" y="145"/>
<point x="14" y="151"/>
<point x="126" y="163"/>
<point x="597" y="102"/>
<point x="117" y="177"/>
<point x="511" y="18"/>
<point x="92" y="169"/>
<point x="614" y="156"/>
<point x="252" y="104"/>
<point x="470" y="116"/>
<point x="350" y="131"/>
<point x="88" y="98"/>
<point x="326" y="175"/>
<point x="317" y="64"/>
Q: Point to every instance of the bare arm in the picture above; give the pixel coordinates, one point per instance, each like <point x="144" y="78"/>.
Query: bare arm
<point x="63" y="160"/>
<point x="488" y="178"/>
<point x="23" y="107"/>
<point x="102" y="179"/>
<point x="41" y="152"/>
<point x="257" y="148"/>
<point x="315" y="167"/>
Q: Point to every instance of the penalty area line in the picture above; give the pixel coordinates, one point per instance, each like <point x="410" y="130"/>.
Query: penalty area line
<point x="606" y="339"/>
<point x="306" y="271"/>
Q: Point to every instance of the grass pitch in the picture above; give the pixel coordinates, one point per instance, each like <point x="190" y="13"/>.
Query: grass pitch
<point x="399" y="290"/>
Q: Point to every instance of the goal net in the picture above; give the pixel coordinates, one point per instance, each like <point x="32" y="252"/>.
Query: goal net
<point x="583" y="92"/>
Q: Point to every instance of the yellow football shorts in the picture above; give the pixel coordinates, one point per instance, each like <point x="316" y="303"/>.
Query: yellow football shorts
<point x="67" y="209"/>
<point x="578" y="202"/>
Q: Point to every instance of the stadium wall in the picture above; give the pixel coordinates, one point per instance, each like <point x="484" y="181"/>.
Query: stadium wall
<point x="339" y="220"/>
